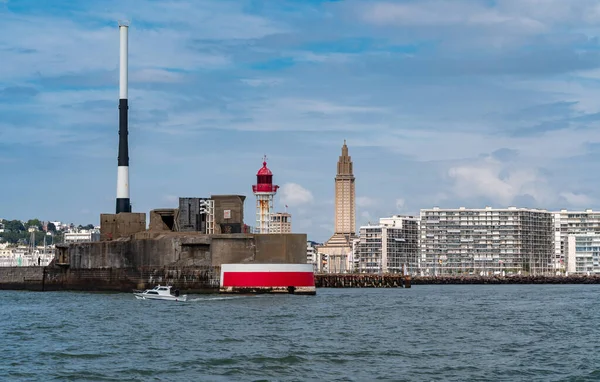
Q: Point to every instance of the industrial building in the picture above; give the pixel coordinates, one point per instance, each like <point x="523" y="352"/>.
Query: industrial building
<point x="392" y="246"/>
<point x="486" y="241"/>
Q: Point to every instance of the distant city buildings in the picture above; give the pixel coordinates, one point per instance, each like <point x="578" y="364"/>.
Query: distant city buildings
<point x="577" y="223"/>
<point x="281" y="222"/>
<point x="582" y="252"/>
<point x="82" y="236"/>
<point x="392" y="246"/>
<point x="487" y="241"/>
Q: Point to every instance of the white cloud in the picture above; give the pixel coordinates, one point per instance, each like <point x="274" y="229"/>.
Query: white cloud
<point x="365" y="201"/>
<point x="577" y="200"/>
<point x="498" y="182"/>
<point x="294" y="194"/>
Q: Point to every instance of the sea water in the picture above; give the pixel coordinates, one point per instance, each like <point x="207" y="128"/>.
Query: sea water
<point x="426" y="333"/>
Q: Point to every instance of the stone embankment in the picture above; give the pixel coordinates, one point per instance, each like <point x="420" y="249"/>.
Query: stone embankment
<point x="574" y="279"/>
<point x="361" y="281"/>
<point x="400" y="281"/>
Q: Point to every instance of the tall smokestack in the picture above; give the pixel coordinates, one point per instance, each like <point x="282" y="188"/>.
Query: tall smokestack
<point x="123" y="203"/>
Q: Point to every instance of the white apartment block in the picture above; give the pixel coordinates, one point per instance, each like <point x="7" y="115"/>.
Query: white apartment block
<point x="582" y="253"/>
<point x="389" y="246"/>
<point x="572" y="223"/>
<point x="487" y="241"/>
<point x="83" y="236"/>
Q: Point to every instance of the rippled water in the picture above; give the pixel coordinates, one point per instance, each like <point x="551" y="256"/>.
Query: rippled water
<point x="427" y="333"/>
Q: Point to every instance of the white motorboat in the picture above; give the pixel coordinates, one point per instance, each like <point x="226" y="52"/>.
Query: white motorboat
<point x="160" y="292"/>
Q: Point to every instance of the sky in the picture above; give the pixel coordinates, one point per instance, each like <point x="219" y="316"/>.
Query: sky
<point x="442" y="103"/>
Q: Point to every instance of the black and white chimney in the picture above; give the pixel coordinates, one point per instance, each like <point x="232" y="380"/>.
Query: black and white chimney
<point x="123" y="202"/>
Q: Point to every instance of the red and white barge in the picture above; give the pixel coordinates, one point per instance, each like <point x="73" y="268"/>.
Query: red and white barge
<point x="267" y="278"/>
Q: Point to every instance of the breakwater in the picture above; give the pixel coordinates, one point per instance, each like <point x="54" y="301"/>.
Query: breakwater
<point x="572" y="279"/>
<point x="362" y="281"/>
<point x="193" y="279"/>
<point x="399" y="281"/>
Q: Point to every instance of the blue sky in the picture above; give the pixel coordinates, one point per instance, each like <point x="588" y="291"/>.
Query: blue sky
<point x="442" y="103"/>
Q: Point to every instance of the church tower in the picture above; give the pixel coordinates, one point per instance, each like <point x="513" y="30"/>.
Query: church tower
<point x="339" y="247"/>
<point x="345" y="196"/>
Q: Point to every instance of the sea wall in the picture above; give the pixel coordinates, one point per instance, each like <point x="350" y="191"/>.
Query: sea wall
<point x="21" y="277"/>
<point x="188" y="261"/>
<point x="187" y="279"/>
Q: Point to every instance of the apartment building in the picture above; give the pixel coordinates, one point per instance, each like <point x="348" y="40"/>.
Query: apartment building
<point x="582" y="253"/>
<point x="572" y="223"/>
<point x="389" y="246"/>
<point x="281" y="222"/>
<point x="487" y="241"/>
<point x="83" y="236"/>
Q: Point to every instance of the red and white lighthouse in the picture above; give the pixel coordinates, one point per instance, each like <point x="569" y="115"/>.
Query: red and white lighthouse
<point x="265" y="191"/>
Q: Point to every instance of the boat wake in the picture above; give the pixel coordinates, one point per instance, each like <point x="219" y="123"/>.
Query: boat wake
<point x="217" y="298"/>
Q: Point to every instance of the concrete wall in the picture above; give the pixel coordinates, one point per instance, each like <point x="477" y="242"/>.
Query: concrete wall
<point x="233" y="203"/>
<point x="281" y="248"/>
<point x="124" y="224"/>
<point x="187" y="279"/>
<point x="158" y="249"/>
<point x="156" y="219"/>
<point x="16" y="275"/>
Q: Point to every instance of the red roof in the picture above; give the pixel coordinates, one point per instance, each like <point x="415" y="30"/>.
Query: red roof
<point x="264" y="170"/>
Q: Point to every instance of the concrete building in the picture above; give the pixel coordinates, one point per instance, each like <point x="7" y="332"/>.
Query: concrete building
<point x="392" y="246"/>
<point x="81" y="237"/>
<point x="572" y="223"/>
<point x="486" y="241"/>
<point x="339" y="246"/>
<point x="281" y="222"/>
<point x="583" y="253"/>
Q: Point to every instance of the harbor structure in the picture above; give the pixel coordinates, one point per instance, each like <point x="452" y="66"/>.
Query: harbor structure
<point x="281" y="222"/>
<point x="568" y="223"/>
<point x="487" y="241"/>
<point x="265" y="191"/>
<point x="339" y="247"/>
<point x="582" y="253"/>
<point x="123" y="201"/>
<point x="392" y="246"/>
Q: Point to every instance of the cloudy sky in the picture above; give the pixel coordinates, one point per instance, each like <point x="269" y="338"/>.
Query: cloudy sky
<point x="443" y="103"/>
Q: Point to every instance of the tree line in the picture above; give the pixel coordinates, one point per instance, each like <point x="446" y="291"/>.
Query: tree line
<point x="17" y="232"/>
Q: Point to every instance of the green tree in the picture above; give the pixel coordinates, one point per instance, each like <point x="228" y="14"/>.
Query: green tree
<point x="34" y="223"/>
<point x="14" y="226"/>
<point x="51" y="227"/>
<point x="89" y="226"/>
<point x="13" y="237"/>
